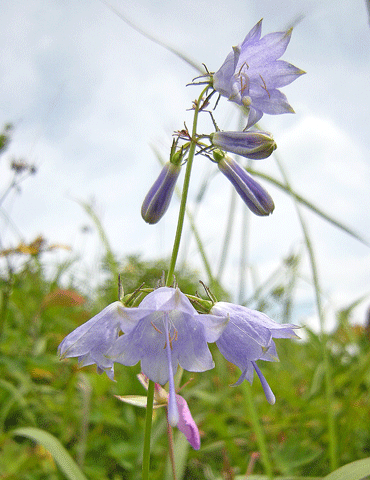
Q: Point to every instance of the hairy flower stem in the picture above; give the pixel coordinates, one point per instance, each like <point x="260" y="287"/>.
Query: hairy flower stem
<point x="148" y="429"/>
<point x="185" y="189"/>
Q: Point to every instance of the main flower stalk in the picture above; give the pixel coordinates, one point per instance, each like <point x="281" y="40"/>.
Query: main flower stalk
<point x="185" y="189"/>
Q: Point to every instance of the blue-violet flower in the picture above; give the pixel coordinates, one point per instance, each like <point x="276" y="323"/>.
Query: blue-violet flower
<point x="254" y="145"/>
<point x="159" y="196"/>
<point x="251" y="192"/>
<point x="251" y="74"/>
<point x="91" y="340"/>
<point x="163" y="331"/>
<point x="249" y="337"/>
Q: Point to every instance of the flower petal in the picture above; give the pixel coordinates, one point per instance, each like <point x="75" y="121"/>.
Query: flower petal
<point x="186" y="423"/>
<point x="266" y="387"/>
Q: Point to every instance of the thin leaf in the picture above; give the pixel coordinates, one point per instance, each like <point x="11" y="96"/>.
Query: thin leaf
<point x="53" y="445"/>
<point x="358" y="470"/>
<point x="156" y="40"/>
<point x="311" y="206"/>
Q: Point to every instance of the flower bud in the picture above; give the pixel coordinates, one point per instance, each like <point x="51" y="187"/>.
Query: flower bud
<point x="254" y="145"/>
<point x="159" y="196"/>
<point x="255" y="196"/>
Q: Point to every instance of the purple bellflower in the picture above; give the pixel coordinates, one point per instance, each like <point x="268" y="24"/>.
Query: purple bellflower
<point x="248" y="337"/>
<point x="163" y="331"/>
<point x="251" y="74"/>
<point x="254" y="145"/>
<point x="186" y="423"/>
<point x="91" y="340"/>
<point x="252" y="193"/>
<point x="159" y="196"/>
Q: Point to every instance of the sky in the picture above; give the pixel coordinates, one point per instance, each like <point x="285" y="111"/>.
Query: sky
<point x="89" y="98"/>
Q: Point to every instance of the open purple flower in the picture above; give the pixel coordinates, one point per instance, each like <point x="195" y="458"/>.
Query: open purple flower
<point x="165" y="331"/>
<point x="251" y="192"/>
<point x="248" y="337"/>
<point x="91" y="340"/>
<point x="253" y="145"/>
<point x="252" y="74"/>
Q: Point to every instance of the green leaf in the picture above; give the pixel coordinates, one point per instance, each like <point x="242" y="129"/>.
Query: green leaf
<point x="310" y="205"/>
<point x="59" y="453"/>
<point x="358" y="470"/>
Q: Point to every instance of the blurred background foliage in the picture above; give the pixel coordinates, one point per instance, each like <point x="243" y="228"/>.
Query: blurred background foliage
<point x="105" y="436"/>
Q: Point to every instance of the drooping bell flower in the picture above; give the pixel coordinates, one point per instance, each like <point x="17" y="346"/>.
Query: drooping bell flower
<point x="248" y="337"/>
<point x="165" y="331"/>
<point x="251" y="192"/>
<point x="91" y="340"/>
<point x="252" y="74"/>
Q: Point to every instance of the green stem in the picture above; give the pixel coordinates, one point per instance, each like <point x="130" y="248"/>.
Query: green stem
<point x="184" y="196"/>
<point x="261" y="441"/>
<point x="148" y="429"/>
<point x="227" y="235"/>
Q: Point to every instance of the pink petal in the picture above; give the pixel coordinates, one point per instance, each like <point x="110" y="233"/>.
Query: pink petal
<point x="186" y="423"/>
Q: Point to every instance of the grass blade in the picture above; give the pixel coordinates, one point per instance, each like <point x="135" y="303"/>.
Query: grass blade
<point x="358" y="470"/>
<point x="156" y="40"/>
<point x="311" y="206"/>
<point x="53" y="445"/>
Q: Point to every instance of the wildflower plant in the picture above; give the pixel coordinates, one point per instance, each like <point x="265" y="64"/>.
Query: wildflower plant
<point x="167" y="330"/>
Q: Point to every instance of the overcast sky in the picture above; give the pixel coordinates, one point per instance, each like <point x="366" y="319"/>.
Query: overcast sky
<point x="88" y="96"/>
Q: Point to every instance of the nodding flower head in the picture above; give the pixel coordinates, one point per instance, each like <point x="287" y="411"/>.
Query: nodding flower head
<point x="91" y="340"/>
<point x="252" y="74"/>
<point x="248" y="337"/>
<point x="252" y="193"/>
<point x="165" y="331"/>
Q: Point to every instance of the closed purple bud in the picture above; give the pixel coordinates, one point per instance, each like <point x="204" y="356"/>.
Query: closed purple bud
<point x="254" y="145"/>
<point x="159" y="196"/>
<point x="255" y="196"/>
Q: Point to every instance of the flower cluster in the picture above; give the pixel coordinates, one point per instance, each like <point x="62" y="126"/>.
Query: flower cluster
<point x="250" y="76"/>
<point x="166" y="331"/>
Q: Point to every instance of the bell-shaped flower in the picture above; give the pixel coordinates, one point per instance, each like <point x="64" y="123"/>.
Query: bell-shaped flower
<point x="248" y="337"/>
<point x="251" y="192"/>
<point x="252" y="74"/>
<point x="91" y="341"/>
<point x="165" y="331"/>
<point x="186" y="423"/>
<point x="159" y="196"/>
<point x="254" y="145"/>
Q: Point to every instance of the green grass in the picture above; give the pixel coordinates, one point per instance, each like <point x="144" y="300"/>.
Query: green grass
<point x="105" y="436"/>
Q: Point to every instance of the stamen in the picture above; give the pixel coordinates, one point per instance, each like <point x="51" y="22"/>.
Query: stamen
<point x="265" y="86"/>
<point x="155" y="328"/>
<point x="242" y="66"/>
